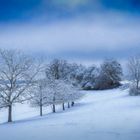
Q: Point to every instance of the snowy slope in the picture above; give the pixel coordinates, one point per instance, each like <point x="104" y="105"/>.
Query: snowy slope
<point x="100" y="115"/>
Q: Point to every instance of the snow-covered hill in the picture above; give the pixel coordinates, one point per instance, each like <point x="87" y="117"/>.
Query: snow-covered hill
<point x="100" y="115"/>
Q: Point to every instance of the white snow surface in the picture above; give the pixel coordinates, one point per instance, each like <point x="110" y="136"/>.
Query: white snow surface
<point x="99" y="115"/>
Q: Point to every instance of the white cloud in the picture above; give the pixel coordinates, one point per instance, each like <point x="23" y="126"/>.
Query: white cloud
<point x="104" y="32"/>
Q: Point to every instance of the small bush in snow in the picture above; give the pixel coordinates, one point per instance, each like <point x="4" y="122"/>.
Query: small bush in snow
<point x="133" y="91"/>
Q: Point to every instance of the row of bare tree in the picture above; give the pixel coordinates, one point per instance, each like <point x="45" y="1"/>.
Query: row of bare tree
<point x="23" y="78"/>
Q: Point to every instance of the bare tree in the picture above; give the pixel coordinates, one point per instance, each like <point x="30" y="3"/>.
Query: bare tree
<point x="59" y="73"/>
<point x="17" y="73"/>
<point x="58" y="69"/>
<point x="39" y="95"/>
<point x="55" y="90"/>
<point x="61" y="92"/>
<point x="134" y="70"/>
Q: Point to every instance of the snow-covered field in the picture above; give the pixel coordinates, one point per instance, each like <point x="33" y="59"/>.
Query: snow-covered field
<point x="100" y="115"/>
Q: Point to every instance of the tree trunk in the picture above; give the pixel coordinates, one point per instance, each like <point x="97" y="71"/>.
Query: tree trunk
<point x="63" y="105"/>
<point x="53" y="108"/>
<point x="41" y="113"/>
<point x="68" y="105"/>
<point x="10" y="113"/>
<point x="72" y="103"/>
<point x="137" y="84"/>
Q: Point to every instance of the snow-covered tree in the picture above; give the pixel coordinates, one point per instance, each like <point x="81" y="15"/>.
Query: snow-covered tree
<point x="63" y="92"/>
<point x="68" y="94"/>
<point x="110" y="75"/>
<point x="134" y="70"/>
<point x="62" y="70"/>
<point x="52" y="92"/>
<point x="56" y="72"/>
<point x="59" y="88"/>
<point x="77" y="74"/>
<point x="17" y="73"/>
<point x="39" y="96"/>
<point x="58" y="69"/>
<point x="90" y="76"/>
<point x="55" y="92"/>
<point x="134" y="74"/>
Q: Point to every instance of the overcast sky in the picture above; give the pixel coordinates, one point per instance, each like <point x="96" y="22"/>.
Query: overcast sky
<point x="82" y="30"/>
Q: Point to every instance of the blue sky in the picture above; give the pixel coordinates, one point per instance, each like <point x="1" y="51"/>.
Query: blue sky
<point x="81" y="30"/>
<point x="27" y="9"/>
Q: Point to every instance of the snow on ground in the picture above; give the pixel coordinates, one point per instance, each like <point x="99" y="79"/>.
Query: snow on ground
<point x="100" y="115"/>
